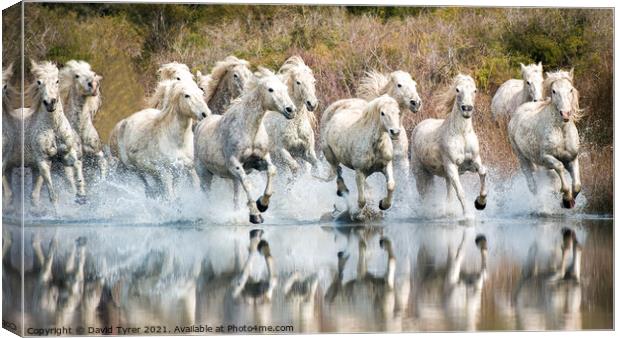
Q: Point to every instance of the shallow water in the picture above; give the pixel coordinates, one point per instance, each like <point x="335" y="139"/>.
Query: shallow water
<point x="171" y="276"/>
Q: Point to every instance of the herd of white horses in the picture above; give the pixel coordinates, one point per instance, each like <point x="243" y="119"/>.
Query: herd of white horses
<point x="233" y="121"/>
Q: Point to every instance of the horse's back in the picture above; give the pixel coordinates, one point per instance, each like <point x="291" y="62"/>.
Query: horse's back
<point x="340" y="106"/>
<point x="501" y="104"/>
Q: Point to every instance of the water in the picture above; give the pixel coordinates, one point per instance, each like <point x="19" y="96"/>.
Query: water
<point x="127" y="264"/>
<point x="182" y="275"/>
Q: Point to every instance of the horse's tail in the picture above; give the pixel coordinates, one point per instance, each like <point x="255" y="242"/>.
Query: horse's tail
<point x="371" y="85"/>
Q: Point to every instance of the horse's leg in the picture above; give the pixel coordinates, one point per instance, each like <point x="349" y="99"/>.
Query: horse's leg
<point x="528" y="171"/>
<point x="342" y="189"/>
<point x="553" y="163"/>
<point x="573" y="170"/>
<point x="449" y="191"/>
<point x="388" y="171"/>
<point x="452" y="172"/>
<point x="70" y="177"/>
<point x="166" y="182"/>
<point x="289" y="161"/>
<point x="6" y="189"/>
<point x="102" y="163"/>
<point x="148" y="189"/>
<point x="44" y="167"/>
<point x="236" y="168"/>
<point x="360" y="179"/>
<point x="80" y="197"/>
<point x="481" y="202"/>
<point x="263" y="202"/>
<point x="37" y="183"/>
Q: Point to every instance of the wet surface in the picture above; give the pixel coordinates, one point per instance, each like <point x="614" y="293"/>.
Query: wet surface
<point x="492" y="274"/>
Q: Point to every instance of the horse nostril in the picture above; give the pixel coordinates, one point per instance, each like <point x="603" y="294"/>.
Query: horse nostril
<point x="466" y="107"/>
<point x="90" y="84"/>
<point x="52" y="102"/>
<point x="204" y="114"/>
<point x="413" y="102"/>
<point x="289" y="109"/>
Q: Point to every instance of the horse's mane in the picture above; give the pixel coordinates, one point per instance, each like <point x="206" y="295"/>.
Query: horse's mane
<point x="293" y="63"/>
<point x="159" y="97"/>
<point x="448" y="97"/>
<point x="371" y="85"/>
<point x="67" y="79"/>
<point x="38" y="70"/>
<point x="562" y="75"/>
<point x="169" y="71"/>
<point x="370" y="113"/>
<point x="218" y="72"/>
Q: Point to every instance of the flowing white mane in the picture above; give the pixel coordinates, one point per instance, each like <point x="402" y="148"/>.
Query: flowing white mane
<point x="372" y="85"/>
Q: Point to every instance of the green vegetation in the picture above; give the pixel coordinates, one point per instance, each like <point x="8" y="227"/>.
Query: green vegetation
<point x="127" y="43"/>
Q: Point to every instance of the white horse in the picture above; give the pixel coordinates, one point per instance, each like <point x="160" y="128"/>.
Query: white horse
<point x="47" y="132"/>
<point x="81" y="103"/>
<point x="159" y="144"/>
<point x="400" y="86"/>
<point x="544" y="134"/>
<point x="10" y="131"/>
<point x="449" y="147"/>
<point x="514" y="92"/>
<point x="168" y="71"/>
<point x="233" y="144"/>
<point x="225" y="83"/>
<point x="362" y="140"/>
<point x="291" y="139"/>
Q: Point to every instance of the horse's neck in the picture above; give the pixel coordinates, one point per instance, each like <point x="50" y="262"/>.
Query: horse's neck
<point x="253" y="113"/>
<point x="370" y="126"/>
<point x="457" y="124"/>
<point x="525" y="95"/>
<point x="76" y="114"/>
<point x="174" y="125"/>
<point x="221" y="98"/>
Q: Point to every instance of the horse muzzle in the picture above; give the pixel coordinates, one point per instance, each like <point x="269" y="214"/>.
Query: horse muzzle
<point x="394" y="134"/>
<point x="289" y="112"/>
<point x="415" y="106"/>
<point x="50" y="105"/>
<point x="311" y="106"/>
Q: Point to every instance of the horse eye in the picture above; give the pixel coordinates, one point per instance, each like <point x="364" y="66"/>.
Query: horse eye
<point x="571" y="90"/>
<point x="201" y="89"/>
<point x="457" y="90"/>
<point x="382" y="114"/>
<point x="187" y="96"/>
<point x="77" y="76"/>
<point x="529" y="83"/>
<point x="553" y="91"/>
<point x="57" y="81"/>
<point x="475" y="90"/>
<point x="236" y="76"/>
<point x="178" y="79"/>
<point x="399" y="85"/>
<point x="271" y="90"/>
<point x="298" y="82"/>
<point x="39" y="82"/>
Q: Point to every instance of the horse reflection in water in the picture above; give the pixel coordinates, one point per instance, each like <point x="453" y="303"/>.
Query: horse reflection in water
<point x="57" y="285"/>
<point x="156" y="293"/>
<point x="548" y="297"/>
<point x="446" y="292"/>
<point x="375" y="294"/>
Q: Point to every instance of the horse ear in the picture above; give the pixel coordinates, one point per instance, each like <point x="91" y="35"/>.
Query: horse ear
<point x="540" y="65"/>
<point x="198" y="74"/>
<point x="522" y="67"/>
<point x="98" y="77"/>
<point x="33" y="63"/>
<point x="571" y="73"/>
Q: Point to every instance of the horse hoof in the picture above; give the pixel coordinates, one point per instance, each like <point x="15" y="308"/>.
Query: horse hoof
<point x="568" y="204"/>
<point x="80" y="241"/>
<point x="256" y="219"/>
<point x="478" y="205"/>
<point x="481" y="241"/>
<point x="261" y="207"/>
<point x="383" y="206"/>
<point x="80" y="200"/>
